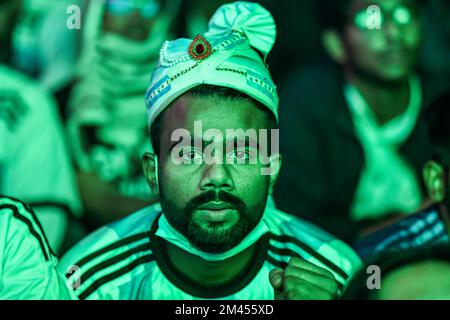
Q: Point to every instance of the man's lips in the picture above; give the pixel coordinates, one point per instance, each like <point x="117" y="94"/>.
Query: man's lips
<point x="215" y="206"/>
<point x="217" y="211"/>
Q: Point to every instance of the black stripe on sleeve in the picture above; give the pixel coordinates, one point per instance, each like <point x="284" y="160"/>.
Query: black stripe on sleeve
<point x="41" y="239"/>
<point x="110" y="277"/>
<point x="400" y="238"/>
<point x="312" y="252"/>
<point x="30" y="209"/>
<point x="275" y="262"/>
<point x="107" y="263"/>
<point x="115" y="245"/>
<point x="284" y="252"/>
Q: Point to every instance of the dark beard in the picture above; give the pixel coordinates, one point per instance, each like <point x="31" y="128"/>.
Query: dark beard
<point x="214" y="241"/>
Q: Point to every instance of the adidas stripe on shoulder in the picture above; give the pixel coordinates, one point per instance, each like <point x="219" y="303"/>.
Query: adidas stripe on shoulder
<point x="108" y="254"/>
<point x="23" y="215"/>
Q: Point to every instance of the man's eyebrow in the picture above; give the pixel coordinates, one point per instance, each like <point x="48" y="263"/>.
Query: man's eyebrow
<point x="175" y="143"/>
<point x="192" y="143"/>
<point x="248" y="141"/>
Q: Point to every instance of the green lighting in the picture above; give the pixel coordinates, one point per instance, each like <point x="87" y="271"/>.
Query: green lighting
<point x="402" y="15"/>
<point x="369" y="18"/>
<point x="372" y="18"/>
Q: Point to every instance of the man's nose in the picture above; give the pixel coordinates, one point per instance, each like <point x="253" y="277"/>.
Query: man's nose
<point x="217" y="177"/>
<point x="393" y="31"/>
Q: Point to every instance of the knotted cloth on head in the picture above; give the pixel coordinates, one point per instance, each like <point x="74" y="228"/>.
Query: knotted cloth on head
<point x="230" y="54"/>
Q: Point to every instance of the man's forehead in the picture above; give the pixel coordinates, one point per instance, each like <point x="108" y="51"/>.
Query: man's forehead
<point x="214" y="113"/>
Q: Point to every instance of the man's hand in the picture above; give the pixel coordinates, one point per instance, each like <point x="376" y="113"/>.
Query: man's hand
<point x="302" y="280"/>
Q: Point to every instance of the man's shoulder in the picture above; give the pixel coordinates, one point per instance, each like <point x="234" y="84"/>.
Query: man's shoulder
<point x="424" y="228"/>
<point x="312" y="243"/>
<point x="26" y="254"/>
<point x="12" y="204"/>
<point x="14" y="214"/>
<point x="110" y="250"/>
<point x="112" y="237"/>
<point x="283" y="223"/>
<point x="20" y="225"/>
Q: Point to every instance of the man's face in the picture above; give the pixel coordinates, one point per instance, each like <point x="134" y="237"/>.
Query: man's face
<point x="383" y="43"/>
<point x="215" y="205"/>
<point x="131" y="18"/>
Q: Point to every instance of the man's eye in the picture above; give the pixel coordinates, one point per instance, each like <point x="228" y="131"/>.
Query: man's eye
<point x="189" y="155"/>
<point x="240" y="155"/>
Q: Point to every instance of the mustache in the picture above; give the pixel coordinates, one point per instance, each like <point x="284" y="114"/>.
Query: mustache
<point x="215" y="196"/>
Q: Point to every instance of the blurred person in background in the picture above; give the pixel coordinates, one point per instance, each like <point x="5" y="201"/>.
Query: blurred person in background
<point x="107" y="127"/>
<point x="420" y="274"/>
<point x="353" y="135"/>
<point x="432" y="225"/>
<point x="43" y="46"/>
<point x="196" y="14"/>
<point x="34" y="161"/>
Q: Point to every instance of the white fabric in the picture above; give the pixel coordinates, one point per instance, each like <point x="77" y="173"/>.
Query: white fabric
<point x="387" y="184"/>
<point x="114" y="73"/>
<point x="254" y="21"/>
<point x="167" y="232"/>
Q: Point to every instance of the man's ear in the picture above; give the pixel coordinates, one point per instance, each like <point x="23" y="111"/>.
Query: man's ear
<point x="433" y="175"/>
<point x="275" y="166"/>
<point x="334" y="46"/>
<point x="149" y="162"/>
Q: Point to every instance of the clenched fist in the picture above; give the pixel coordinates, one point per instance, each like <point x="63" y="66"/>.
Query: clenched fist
<point x="302" y="280"/>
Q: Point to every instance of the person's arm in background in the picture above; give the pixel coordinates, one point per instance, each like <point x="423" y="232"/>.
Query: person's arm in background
<point x="102" y="203"/>
<point x="28" y="266"/>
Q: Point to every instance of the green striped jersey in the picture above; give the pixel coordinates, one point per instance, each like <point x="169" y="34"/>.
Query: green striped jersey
<point x="27" y="264"/>
<point x="126" y="260"/>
